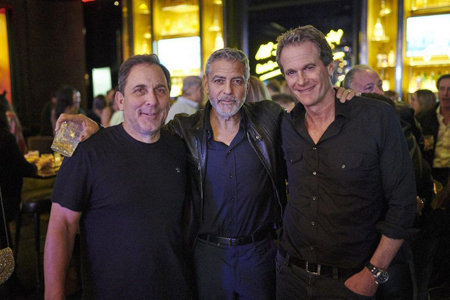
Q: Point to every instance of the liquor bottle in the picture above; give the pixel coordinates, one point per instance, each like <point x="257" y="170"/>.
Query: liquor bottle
<point x="391" y="58"/>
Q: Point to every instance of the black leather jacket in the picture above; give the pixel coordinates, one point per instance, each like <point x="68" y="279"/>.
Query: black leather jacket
<point x="262" y="131"/>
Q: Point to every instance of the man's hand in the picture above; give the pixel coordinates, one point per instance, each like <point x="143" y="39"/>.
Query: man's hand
<point x="345" y="94"/>
<point x="89" y="126"/>
<point x="362" y="283"/>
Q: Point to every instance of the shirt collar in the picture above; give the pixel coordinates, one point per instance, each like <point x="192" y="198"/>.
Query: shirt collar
<point x="341" y="109"/>
<point x="242" y="124"/>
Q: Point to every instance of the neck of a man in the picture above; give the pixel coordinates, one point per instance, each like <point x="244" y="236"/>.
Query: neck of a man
<point x="144" y="138"/>
<point x="445" y="112"/>
<point x="319" y="116"/>
<point x="224" y="128"/>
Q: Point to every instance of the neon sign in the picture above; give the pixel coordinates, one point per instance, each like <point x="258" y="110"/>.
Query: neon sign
<point x="269" y="69"/>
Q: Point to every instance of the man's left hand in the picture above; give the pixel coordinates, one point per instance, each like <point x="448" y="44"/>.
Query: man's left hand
<point x="362" y="283"/>
<point x="345" y="94"/>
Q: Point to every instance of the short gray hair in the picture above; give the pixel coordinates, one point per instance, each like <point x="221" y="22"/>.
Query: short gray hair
<point x="302" y="34"/>
<point x="190" y="81"/>
<point x="348" y="80"/>
<point x="229" y="54"/>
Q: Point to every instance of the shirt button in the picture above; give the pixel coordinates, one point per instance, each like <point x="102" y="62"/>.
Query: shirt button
<point x="229" y="151"/>
<point x="231" y="176"/>
<point x="311" y="248"/>
<point x="314" y="173"/>
<point x="343" y="166"/>
<point x="232" y="199"/>
<point x="314" y="198"/>
<point x="312" y="223"/>
<point x="314" y="148"/>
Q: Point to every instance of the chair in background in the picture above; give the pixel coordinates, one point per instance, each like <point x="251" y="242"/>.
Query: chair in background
<point x="40" y="143"/>
<point x="36" y="194"/>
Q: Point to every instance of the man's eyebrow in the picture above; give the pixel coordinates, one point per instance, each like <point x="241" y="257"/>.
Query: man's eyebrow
<point x="139" y="86"/>
<point x="160" y="85"/>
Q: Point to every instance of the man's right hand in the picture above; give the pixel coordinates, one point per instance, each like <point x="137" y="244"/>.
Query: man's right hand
<point x="89" y="126"/>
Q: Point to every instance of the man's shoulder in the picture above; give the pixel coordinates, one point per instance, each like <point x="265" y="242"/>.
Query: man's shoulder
<point x="105" y="137"/>
<point x="264" y="108"/>
<point x="369" y="105"/>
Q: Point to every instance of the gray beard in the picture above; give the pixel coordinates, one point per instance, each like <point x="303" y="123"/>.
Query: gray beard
<point x="226" y="114"/>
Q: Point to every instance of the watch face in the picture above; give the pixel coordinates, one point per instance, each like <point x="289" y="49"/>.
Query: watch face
<point x="382" y="277"/>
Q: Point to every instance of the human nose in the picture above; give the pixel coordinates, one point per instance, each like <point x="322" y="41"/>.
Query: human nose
<point x="378" y="90"/>
<point x="301" y="79"/>
<point x="151" y="98"/>
<point x="228" y="88"/>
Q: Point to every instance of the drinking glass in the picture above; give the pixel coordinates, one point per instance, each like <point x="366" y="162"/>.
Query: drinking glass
<point x="67" y="138"/>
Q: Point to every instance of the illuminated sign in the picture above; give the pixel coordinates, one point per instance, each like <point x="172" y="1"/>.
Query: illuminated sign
<point x="270" y="69"/>
<point x="334" y="37"/>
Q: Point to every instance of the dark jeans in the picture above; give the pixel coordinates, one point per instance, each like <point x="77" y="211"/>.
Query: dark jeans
<point x="295" y="283"/>
<point x="235" y="272"/>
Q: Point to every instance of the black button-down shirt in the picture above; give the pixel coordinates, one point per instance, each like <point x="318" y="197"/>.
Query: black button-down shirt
<point x="238" y="189"/>
<point x="358" y="178"/>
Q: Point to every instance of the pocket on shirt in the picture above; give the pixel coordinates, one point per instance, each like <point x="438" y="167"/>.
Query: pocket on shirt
<point x="345" y="161"/>
<point x="293" y="155"/>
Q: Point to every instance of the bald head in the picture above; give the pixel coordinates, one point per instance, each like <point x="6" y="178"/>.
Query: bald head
<point x="363" y="79"/>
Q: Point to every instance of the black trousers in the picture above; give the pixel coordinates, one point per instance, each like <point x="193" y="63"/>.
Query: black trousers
<point x="235" y="272"/>
<point x="295" y="283"/>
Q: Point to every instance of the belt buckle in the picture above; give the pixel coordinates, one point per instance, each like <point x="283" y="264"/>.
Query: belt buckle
<point x="311" y="272"/>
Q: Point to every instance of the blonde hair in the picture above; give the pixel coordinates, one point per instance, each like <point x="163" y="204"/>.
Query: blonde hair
<point x="257" y="91"/>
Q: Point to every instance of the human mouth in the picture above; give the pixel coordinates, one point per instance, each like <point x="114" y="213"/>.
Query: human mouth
<point x="150" y="114"/>
<point x="228" y="100"/>
<point x="306" y="90"/>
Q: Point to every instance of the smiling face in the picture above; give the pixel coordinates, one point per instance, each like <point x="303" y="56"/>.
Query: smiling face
<point x="306" y="75"/>
<point x="367" y="81"/>
<point x="226" y="87"/>
<point x="145" y="102"/>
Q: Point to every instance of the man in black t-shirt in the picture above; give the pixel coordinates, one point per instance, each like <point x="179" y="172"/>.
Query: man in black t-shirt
<point x="125" y="190"/>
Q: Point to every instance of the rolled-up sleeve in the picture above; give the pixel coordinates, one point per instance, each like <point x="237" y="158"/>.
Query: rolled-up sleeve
<point x="398" y="180"/>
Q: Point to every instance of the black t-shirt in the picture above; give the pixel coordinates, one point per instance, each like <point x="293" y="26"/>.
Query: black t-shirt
<point x="131" y="195"/>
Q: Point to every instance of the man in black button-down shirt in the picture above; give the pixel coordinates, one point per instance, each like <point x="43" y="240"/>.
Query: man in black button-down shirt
<point x="351" y="181"/>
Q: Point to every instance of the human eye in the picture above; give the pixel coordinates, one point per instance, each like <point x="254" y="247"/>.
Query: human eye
<point x="368" y="89"/>
<point x="309" y="67"/>
<point x="139" y="91"/>
<point x="238" y="81"/>
<point x="290" y="72"/>
<point x="161" y="91"/>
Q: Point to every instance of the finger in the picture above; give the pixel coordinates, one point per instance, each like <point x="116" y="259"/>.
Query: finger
<point x="339" y="92"/>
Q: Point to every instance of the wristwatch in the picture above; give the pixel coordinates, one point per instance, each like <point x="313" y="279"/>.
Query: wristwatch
<point x="381" y="276"/>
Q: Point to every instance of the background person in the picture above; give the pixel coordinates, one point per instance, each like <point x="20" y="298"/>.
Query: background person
<point x="67" y="101"/>
<point x="257" y="91"/>
<point x="288" y="102"/>
<point x="191" y="98"/>
<point x="422" y="100"/>
<point x="436" y="124"/>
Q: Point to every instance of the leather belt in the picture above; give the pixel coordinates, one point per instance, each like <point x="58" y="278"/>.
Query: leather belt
<point x="317" y="269"/>
<point x="238" y="241"/>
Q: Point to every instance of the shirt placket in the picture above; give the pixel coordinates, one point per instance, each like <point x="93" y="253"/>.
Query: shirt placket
<point x="231" y="191"/>
<point x="314" y="207"/>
